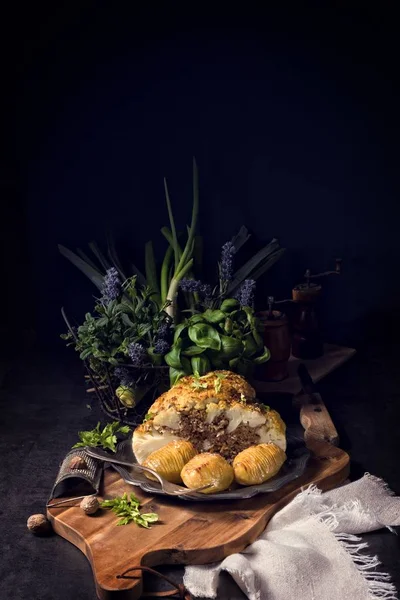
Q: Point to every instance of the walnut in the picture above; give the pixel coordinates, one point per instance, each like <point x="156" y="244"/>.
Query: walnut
<point x="77" y="462"/>
<point x="90" y="505"/>
<point x="39" y="525"/>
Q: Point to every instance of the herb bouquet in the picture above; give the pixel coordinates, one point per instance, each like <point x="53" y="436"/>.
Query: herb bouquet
<point x="166" y="322"/>
<point x="223" y="332"/>
<point x="122" y="345"/>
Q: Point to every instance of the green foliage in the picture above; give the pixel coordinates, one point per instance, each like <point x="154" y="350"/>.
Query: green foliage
<point x="219" y="334"/>
<point x="105" y="337"/>
<point x="106" y="438"/>
<point x="178" y="262"/>
<point x="206" y="338"/>
<point x="127" y="507"/>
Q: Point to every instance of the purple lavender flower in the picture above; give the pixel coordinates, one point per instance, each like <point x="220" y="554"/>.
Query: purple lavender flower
<point x="111" y="286"/>
<point x="193" y="285"/>
<point x="161" y="347"/>
<point x="245" y="293"/>
<point x="163" y="331"/>
<point x="124" y="376"/>
<point x="226" y="268"/>
<point x="137" y="354"/>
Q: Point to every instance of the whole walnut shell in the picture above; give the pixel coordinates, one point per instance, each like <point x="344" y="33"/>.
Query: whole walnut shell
<point x="39" y="524"/>
<point x="90" y="505"/>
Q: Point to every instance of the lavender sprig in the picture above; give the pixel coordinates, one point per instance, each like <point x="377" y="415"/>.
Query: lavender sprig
<point x="124" y="376"/>
<point x="161" y="347"/>
<point x="137" y="354"/>
<point x="194" y="286"/>
<point x="245" y="293"/>
<point x="226" y="266"/>
<point x="111" y="288"/>
<point x="163" y="331"/>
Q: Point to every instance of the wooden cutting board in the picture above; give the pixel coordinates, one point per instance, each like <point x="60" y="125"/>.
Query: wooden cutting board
<point x="192" y="533"/>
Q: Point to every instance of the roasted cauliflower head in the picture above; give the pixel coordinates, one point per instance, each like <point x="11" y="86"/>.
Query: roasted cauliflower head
<point x="217" y="413"/>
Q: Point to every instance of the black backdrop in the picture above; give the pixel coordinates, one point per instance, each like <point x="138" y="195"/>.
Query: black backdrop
<point x="291" y="114"/>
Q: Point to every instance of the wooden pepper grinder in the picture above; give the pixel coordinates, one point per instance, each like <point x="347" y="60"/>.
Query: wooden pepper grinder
<point x="277" y="340"/>
<point x="306" y="338"/>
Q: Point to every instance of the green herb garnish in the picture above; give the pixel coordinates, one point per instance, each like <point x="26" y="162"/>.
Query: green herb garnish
<point x="217" y="382"/>
<point x="127" y="507"/>
<point x="106" y="438"/>
<point x="243" y="398"/>
<point x="147" y="417"/>
<point x="197" y="384"/>
<point x="266" y="407"/>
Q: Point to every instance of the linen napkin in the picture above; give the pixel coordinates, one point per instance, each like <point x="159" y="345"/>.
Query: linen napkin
<point x="310" y="549"/>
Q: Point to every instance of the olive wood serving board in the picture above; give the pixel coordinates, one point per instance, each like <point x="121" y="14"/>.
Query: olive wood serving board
<point x="192" y="533"/>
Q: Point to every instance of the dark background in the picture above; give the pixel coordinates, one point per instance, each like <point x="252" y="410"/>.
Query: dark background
<point x="292" y="114"/>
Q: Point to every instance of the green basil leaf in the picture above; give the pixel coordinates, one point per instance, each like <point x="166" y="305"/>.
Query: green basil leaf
<point x="251" y="318"/>
<point x="200" y="365"/>
<point x="263" y="358"/>
<point x="216" y="360"/>
<point x="230" y="346"/>
<point x="228" y="325"/>
<point x="205" y="336"/>
<point x="186" y="365"/>
<point x="173" y="358"/>
<point x="258" y="339"/>
<point x="229" y="304"/>
<point x="233" y="363"/>
<point x="175" y="375"/>
<point x="196" y="319"/>
<point x="193" y="351"/>
<point x="214" y="316"/>
<point x="178" y="331"/>
<point x="250" y="346"/>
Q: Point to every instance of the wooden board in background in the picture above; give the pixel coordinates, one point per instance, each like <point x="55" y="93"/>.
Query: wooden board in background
<point x="333" y="357"/>
<point x="192" y="533"/>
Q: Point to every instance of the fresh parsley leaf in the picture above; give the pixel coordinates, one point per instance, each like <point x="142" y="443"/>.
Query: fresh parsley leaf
<point x="198" y="385"/>
<point x="217" y="382"/>
<point x="105" y="438"/>
<point x="125" y="429"/>
<point x="127" y="507"/>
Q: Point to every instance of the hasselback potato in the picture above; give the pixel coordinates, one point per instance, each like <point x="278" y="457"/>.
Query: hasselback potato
<point x="208" y="469"/>
<point x="169" y="460"/>
<point x="258" y="463"/>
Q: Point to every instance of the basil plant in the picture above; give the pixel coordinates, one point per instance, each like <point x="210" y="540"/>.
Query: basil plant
<point x="229" y="337"/>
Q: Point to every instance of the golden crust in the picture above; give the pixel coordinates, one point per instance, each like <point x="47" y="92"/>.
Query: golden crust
<point x="192" y="392"/>
<point x="224" y="388"/>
